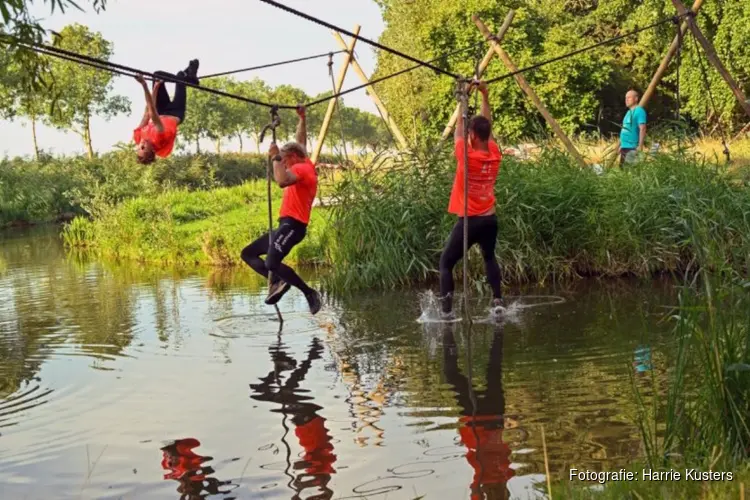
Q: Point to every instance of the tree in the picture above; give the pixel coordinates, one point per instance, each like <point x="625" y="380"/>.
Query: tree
<point x="82" y="92"/>
<point x="583" y="91"/>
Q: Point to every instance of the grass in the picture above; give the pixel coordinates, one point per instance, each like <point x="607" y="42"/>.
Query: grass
<point x="189" y="227"/>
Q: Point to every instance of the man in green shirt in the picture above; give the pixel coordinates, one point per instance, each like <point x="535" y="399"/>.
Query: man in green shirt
<point x="633" y="131"/>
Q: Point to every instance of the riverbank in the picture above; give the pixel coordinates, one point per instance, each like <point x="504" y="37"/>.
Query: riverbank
<point x="556" y="221"/>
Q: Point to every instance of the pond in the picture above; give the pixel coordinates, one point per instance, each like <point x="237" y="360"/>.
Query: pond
<point x="119" y="381"/>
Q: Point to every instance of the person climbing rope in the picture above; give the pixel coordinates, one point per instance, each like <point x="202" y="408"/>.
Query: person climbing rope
<point x="484" y="164"/>
<point x="295" y="174"/>
<point x="156" y="133"/>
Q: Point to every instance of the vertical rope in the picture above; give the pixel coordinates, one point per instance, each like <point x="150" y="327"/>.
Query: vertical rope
<point x="274" y="123"/>
<point x="711" y="98"/>
<point x="679" y="64"/>
<point x="464" y="96"/>
<point x="337" y="104"/>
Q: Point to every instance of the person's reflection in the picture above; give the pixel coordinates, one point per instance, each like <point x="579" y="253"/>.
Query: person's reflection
<point x="482" y="420"/>
<point x="312" y="434"/>
<point x="186" y="467"/>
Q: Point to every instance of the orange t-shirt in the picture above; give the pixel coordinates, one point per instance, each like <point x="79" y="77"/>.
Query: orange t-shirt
<point x="314" y="438"/>
<point x="163" y="141"/>
<point x="298" y="198"/>
<point x="483" y="168"/>
<point x="488" y="455"/>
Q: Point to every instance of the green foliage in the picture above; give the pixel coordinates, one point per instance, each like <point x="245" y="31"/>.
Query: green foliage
<point x="82" y="92"/>
<point x="188" y="228"/>
<point x="46" y="190"/>
<point x="586" y="92"/>
<point x="556" y="220"/>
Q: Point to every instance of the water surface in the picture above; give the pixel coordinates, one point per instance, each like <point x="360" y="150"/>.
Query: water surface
<point x="128" y="382"/>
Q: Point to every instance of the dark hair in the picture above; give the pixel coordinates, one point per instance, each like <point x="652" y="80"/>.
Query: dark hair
<point x="147" y="157"/>
<point x="481" y="127"/>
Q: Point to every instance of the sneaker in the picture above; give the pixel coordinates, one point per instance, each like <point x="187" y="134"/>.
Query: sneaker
<point x="276" y="291"/>
<point x="192" y="71"/>
<point x="313" y="299"/>
<point x="498" y="303"/>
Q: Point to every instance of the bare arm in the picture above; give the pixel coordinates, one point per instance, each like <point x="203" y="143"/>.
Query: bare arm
<point x="301" y="135"/>
<point x="641" y="136"/>
<point x="151" y="105"/>
<point x="281" y="175"/>
<point x="486" y="106"/>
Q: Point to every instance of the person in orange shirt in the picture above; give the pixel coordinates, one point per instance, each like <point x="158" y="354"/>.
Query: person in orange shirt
<point x="482" y="425"/>
<point x="156" y="133"/>
<point x="484" y="163"/>
<point x="295" y="174"/>
<point x="309" y="427"/>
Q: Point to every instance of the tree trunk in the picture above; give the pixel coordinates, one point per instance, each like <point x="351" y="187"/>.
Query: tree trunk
<point x="33" y="133"/>
<point x="197" y="145"/>
<point x="239" y="136"/>
<point x="257" y="143"/>
<point x="87" y="137"/>
<point x="218" y="146"/>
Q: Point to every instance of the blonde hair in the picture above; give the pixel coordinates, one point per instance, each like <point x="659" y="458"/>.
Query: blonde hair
<point x="293" y="148"/>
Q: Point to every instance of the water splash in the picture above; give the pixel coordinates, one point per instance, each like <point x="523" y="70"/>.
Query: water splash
<point x="429" y="304"/>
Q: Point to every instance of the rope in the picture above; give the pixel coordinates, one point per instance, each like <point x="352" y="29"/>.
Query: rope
<point x="679" y="64"/>
<point x="580" y="51"/>
<point x="126" y="70"/>
<point x="464" y="99"/>
<point x="398" y="73"/>
<point x="337" y="105"/>
<point x="275" y="122"/>
<point x="270" y="65"/>
<point x="711" y="98"/>
<point x="365" y="40"/>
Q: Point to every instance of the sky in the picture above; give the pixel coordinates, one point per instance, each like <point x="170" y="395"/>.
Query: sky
<point x="224" y="35"/>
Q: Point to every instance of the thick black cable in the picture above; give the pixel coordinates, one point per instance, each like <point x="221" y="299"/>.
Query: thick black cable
<point x="126" y="70"/>
<point x="365" y="40"/>
<point x="398" y="73"/>
<point x="580" y="51"/>
<point x="270" y="65"/>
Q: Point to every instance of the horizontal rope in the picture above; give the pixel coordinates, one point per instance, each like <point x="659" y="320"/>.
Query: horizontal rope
<point x="398" y="73"/>
<point x="270" y="65"/>
<point x="360" y="38"/>
<point x="590" y="47"/>
<point x="126" y="70"/>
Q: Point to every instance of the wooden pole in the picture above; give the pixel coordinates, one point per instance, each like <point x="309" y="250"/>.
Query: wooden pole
<point x="530" y="92"/>
<point x="482" y="67"/>
<point x="667" y="59"/>
<point x="713" y="57"/>
<point x="371" y="92"/>
<point x="332" y="102"/>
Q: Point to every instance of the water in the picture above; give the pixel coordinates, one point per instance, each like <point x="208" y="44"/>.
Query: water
<point x="125" y="382"/>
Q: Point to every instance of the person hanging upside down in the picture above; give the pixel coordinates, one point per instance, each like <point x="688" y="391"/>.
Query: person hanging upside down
<point x="484" y="163"/>
<point x="295" y="174"/>
<point x="157" y="131"/>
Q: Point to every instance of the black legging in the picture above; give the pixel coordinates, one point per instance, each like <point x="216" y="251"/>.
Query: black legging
<point x="178" y="104"/>
<point x="482" y="230"/>
<point x="289" y="233"/>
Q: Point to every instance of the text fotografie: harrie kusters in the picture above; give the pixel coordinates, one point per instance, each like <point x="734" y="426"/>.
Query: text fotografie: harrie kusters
<point x="650" y="475"/>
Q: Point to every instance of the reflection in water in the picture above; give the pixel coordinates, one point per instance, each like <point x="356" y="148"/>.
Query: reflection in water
<point x="186" y="467"/>
<point x="91" y="351"/>
<point x="482" y="416"/>
<point x="309" y="427"/>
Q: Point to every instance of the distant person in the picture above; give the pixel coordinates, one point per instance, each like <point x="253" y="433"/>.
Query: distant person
<point x="482" y="420"/>
<point x="633" y="133"/>
<point x="295" y="174"/>
<point x="156" y="133"/>
<point x="484" y="164"/>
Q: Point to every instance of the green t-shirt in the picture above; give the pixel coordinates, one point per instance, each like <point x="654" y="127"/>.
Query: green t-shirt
<point x="630" y="132"/>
